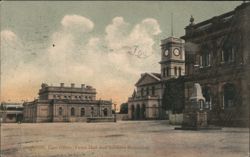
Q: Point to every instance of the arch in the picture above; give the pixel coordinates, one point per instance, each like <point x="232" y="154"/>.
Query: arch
<point x="137" y="111"/>
<point x="167" y="71"/>
<point x="143" y="111"/>
<point x="92" y="111"/>
<point x="105" y="112"/>
<point x="60" y="111"/>
<point x="175" y="71"/>
<point x="154" y="111"/>
<point x="179" y="71"/>
<point x="72" y="111"/>
<point x="132" y="112"/>
<point x="229" y="95"/>
<point x="82" y="112"/>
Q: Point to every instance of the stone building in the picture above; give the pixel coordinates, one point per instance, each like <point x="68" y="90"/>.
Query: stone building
<point x="147" y="100"/>
<point x="213" y="53"/>
<point x="66" y="104"/>
<point x="218" y="59"/>
<point x="11" y="112"/>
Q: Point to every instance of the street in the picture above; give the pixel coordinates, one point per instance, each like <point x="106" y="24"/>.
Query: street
<point x="121" y="139"/>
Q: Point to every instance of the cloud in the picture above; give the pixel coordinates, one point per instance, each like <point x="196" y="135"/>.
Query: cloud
<point x="8" y="35"/>
<point x="111" y="62"/>
<point x="77" y="23"/>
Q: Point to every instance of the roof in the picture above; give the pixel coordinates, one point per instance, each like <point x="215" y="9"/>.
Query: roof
<point x="155" y="76"/>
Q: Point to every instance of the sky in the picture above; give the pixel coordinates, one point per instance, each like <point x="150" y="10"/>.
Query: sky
<point x="103" y="44"/>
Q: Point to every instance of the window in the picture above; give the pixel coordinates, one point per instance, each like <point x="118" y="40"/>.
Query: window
<point x="153" y="90"/>
<point x="72" y="111"/>
<point x="54" y="96"/>
<point x="154" y="111"/>
<point x="205" y="59"/>
<point x="92" y="111"/>
<point x="167" y="71"/>
<point x="76" y="97"/>
<point x="147" y="91"/>
<point x="60" y="111"/>
<point x="163" y="71"/>
<point x="105" y="112"/>
<point x="82" y="112"/>
<point x="228" y="53"/>
<point x="175" y="71"/>
<point x="229" y="95"/>
<point x="142" y="92"/>
<point x="179" y="71"/>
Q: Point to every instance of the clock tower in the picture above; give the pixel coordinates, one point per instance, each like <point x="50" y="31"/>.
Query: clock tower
<point x="172" y="58"/>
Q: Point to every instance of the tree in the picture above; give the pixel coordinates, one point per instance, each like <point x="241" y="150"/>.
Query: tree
<point x="124" y="108"/>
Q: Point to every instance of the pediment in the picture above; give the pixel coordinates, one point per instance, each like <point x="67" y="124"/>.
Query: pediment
<point x="147" y="78"/>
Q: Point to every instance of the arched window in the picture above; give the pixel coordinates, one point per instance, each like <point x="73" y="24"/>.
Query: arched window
<point x="154" y="111"/>
<point x="175" y="71"/>
<point x="92" y="111"/>
<point x="179" y="71"/>
<point x="60" y="111"/>
<point x="229" y="95"/>
<point x="105" y="112"/>
<point x="72" y="111"/>
<point x="82" y="112"/>
<point x="167" y="71"/>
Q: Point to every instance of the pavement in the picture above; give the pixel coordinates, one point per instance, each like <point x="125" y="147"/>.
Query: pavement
<point x="121" y="139"/>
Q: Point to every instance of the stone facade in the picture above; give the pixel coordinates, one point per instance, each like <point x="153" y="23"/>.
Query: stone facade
<point x="213" y="53"/>
<point x="145" y="101"/>
<point x="220" y="64"/>
<point x="151" y="104"/>
<point x="66" y="104"/>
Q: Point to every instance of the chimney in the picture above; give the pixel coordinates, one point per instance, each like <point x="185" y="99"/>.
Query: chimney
<point x="72" y="85"/>
<point x="62" y="84"/>
<point x="83" y="85"/>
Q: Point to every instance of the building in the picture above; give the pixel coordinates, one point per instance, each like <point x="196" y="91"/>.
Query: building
<point x="66" y="104"/>
<point x="213" y="53"/>
<point x="147" y="100"/>
<point x="11" y="112"/>
<point x="218" y="59"/>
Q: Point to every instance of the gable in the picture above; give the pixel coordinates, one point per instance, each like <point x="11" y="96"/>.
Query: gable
<point x="147" y="78"/>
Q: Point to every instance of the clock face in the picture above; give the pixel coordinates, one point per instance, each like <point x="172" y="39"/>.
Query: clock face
<point x="166" y="52"/>
<point x="176" y="52"/>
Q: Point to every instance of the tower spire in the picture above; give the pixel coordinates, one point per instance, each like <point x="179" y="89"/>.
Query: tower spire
<point x="172" y="28"/>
